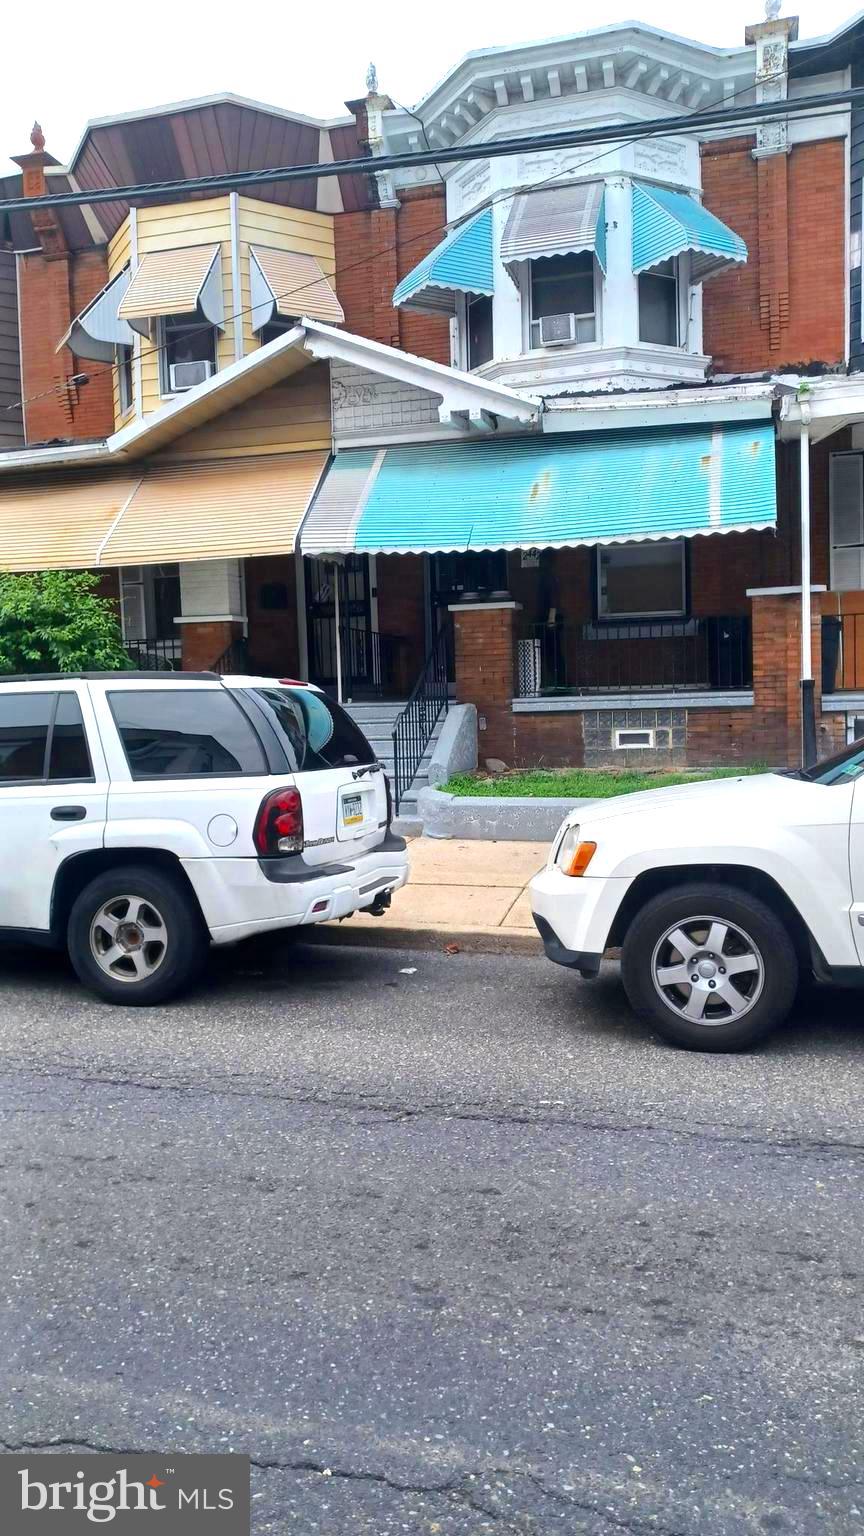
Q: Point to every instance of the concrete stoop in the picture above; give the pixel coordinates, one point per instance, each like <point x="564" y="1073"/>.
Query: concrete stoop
<point x="376" y="719"/>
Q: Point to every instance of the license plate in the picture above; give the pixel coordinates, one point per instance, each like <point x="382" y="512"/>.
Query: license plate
<point x="352" y="810"/>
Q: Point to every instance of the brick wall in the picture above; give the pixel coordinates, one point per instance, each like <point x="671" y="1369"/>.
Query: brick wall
<point x="204" y="643"/>
<point x="374" y="250"/>
<point x="52" y="292"/>
<point x="786" y="306"/>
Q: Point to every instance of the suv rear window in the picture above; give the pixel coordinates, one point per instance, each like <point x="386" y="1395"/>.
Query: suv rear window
<point x="42" y="737"/>
<point x="183" y="733"/>
<point x="314" y="730"/>
<point x="24" y="722"/>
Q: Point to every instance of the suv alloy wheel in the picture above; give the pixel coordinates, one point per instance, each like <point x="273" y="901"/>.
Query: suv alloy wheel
<point x="711" y="967"/>
<point x="136" y="935"/>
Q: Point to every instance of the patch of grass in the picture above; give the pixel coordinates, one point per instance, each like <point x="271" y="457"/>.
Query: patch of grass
<point x="582" y="783"/>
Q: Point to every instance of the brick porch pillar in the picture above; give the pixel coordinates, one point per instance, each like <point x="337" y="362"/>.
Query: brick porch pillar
<point x="204" y="643"/>
<point x="777" y="673"/>
<point x="485" y="641"/>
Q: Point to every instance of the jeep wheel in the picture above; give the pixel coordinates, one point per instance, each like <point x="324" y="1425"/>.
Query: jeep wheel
<point x="136" y="936"/>
<point x="711" y="967"/>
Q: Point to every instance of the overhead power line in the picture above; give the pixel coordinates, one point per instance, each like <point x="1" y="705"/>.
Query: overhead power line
<point x="568" y="138"/>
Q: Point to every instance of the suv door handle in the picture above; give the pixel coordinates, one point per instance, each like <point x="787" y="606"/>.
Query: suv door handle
<point x="68" y="813"/>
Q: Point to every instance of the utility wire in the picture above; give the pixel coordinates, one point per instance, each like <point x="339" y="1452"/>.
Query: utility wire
<point x="622" y="137"/>
<point x="562" y="139"/>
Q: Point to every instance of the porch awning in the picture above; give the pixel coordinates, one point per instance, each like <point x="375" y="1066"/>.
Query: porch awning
<point x="60" y="522"/>
<point x="288" y="284"/>
<point x="555" y="491"/>
<point x="175" y="283"/>
<point x="204" y="510"/>
<point x="556" y="221"/>
<point x="215" y="509"/>
<point x="460" y="263"/>
<point x="666" y="223"/>
<point x="99" y="330"/>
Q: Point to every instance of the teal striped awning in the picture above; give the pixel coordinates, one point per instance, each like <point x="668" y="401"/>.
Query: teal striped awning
<point x="546" y="491"/>
<point x="667" y="223"/>
<point x="460" y="263"/>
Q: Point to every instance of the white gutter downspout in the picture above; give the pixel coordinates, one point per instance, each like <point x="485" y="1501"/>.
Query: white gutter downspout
<point x="808" y="687"/>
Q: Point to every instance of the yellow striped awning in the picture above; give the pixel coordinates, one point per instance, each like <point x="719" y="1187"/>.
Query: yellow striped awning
<point x="289" y="284"/>
<point x="60" y="522"/>
<point x="174" y="283"/>
<point x="215" y="509"/>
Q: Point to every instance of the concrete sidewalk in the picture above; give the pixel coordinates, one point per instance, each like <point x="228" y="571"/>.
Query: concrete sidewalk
<point x="467" y="893"/>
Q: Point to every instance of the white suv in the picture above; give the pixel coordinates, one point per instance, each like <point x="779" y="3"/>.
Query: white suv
<point x="144" y="816"/>
<point x="720" y="896"/>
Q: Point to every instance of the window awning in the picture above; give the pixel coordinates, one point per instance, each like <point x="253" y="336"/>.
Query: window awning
<point x="461" y="263"/>
<point x="666" y="223"/>
<point x="556" y="221"/>
<point x="175" y="283"/>
<point x="209" y="509"/>
<point x="98" y="330"/>
<point x="529" y="492"/>
<point x="288" y="284"/>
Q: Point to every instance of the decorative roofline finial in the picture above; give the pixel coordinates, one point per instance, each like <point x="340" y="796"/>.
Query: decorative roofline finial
<point x="372" y="80"/>
<point x="37" y="137"/>
<point x="772" y="9"/>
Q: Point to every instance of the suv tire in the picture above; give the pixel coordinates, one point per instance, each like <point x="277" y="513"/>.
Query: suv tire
<point x="674" y="973"/>
<point x="136" y="935"/>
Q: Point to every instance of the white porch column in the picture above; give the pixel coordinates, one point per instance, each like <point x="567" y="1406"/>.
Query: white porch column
<point x="212" y="591"/>
<point x="620" y="313"/>
<point x="808" y="687"/>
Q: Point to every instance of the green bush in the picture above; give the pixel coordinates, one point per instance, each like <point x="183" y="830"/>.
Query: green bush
<point x="56" y="621"/>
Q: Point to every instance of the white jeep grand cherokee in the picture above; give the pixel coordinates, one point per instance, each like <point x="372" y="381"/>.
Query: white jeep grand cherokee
<point x="720" y="895"/>
<point x="144" y="816"/>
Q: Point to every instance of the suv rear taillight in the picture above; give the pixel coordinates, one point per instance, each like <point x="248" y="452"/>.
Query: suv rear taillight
<point x="389" y="799"/>
<point x="279" y="824"/>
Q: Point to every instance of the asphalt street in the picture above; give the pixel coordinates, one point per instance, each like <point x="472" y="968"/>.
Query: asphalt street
<point x="447" y="1243"/>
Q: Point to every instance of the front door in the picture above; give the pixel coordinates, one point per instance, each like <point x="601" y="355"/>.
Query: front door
<point x="355" y="627"/>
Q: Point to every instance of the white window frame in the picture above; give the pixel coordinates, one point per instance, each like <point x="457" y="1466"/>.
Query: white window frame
<point x="682" y="319"/>
<point x="125" y="386"/>
<point x="834" y="546"/>
<point x="467" y="301"/>
<point x="526" y="288"/>
<point x="666" y="613"/>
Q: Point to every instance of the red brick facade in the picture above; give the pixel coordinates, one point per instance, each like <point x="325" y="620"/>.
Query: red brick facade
<point x="374" y="250"/>
<point x="787" y="305"/>
<point x="52" y="291"/>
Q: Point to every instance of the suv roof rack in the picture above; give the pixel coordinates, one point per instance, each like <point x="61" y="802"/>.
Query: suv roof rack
<point x="68" y="677"/>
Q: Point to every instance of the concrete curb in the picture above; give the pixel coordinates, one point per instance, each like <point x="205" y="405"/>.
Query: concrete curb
<point x="493" y="818"/>
<point x="381" y="935"/>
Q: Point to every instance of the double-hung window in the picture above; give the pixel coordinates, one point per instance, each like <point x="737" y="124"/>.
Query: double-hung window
<point x="563" y="299"/>
<point x="658" y="305"/>
<point x="479" y="325"/>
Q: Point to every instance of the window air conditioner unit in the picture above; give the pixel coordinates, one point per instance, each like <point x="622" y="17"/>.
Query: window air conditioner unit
<point x="187" y="375"/>
<point x="557" y="330"/>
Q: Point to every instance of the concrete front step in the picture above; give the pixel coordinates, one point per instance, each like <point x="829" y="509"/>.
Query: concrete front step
<point x="376" y="720"/>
